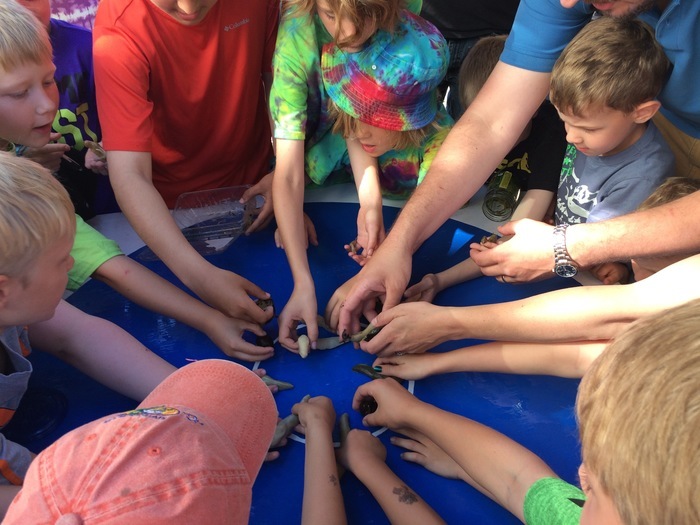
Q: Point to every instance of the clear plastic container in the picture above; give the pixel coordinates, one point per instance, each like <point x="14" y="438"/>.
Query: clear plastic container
<point x="212" y="219"/>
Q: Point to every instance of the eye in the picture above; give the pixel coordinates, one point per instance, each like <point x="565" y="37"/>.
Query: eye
<point x="19" y="95"/>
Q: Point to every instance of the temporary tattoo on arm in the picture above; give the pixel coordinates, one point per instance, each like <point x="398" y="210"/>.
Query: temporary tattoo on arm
<point x="405" y="495"/>
<point x="333" y="480"/>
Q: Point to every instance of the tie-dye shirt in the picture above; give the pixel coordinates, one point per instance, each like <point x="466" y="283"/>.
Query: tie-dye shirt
<point x="298" y="100"/>
<point x="401" y="171"/>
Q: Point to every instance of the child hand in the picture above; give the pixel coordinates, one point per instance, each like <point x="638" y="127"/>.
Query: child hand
<point x="95" y="158"/>
<point x="226" y="333"/>
<point x="611" y="273"/>
<point x="424" y="452"/>
<point x="310" y="236"/>
<point x="425" y="290"/>
<point x="409" y="366"/>
<point x="394" y="403"/>
<point x="315" y="414"/>
<point x="370" y="232"/>
<point x="360" y="449"/>
<point x="49" y="155"/>
<point x="301" y="308"/>
<point x="267" y="213"/>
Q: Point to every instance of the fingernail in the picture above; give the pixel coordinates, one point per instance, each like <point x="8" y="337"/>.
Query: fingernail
<point x="377" y="368"/>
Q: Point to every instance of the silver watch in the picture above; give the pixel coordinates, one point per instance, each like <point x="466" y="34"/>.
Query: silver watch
<point x="563" y="265"/>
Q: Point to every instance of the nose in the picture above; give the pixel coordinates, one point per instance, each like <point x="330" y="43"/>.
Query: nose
<point x="47" y="101"/>
<point x="572" y="137"/>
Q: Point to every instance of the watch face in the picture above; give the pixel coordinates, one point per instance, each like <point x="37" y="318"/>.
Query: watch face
<point x="566" y="270"/>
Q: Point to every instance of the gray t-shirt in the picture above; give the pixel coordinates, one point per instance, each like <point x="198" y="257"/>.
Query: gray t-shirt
<point x="598" y="188"/>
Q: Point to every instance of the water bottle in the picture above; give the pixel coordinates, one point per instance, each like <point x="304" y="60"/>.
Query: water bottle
<point x="502" y="196"/>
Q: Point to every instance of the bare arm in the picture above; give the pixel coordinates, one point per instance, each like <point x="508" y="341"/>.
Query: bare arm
<point x="323" y="500"/>
<point x="494" y="464"/>
<point x="650" y="233"/>
<point x="130" y="175"/>
<point x="474" y="147"/>
<point x="364" y="455"/>
<point x="585" y="313"/>
<point x="288" y="189"/>
<point x="556" y="359"/>
<point x="101" y="350"/>
<point x="142" y="286"/>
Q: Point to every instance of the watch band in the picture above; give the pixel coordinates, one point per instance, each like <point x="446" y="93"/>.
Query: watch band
<point x="564" y="266"/>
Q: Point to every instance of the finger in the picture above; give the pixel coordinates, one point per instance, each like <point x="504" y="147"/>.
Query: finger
<point x="260" y="222"/>
<point x="508" y="228"/>
<point x="311" y="231"/>
<point x="273" y="455"/>
<point x="407" y="443"/>
<point x="312" y="331"/>
<point x="278" y="239"/>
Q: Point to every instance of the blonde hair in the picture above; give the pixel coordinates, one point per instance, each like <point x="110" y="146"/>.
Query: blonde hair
<point x="363" y="14"/>
<point x="23" y="39"/>
<point x="36" y="211"/>
<point x="346" y="125"/>
<point x="614" y="63"/>
<point x="478" y="65"/>
<point x="670" y="190"/>
<point x="638" y="408"/>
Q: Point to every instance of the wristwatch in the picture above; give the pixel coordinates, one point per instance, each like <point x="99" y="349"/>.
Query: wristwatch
<point x="563" y="265"/>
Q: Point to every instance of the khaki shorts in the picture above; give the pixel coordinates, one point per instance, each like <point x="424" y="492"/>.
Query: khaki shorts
<point x="685" y="148"/>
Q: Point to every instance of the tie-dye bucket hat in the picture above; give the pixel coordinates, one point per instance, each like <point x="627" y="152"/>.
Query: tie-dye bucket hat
<point x="391" y="83"/>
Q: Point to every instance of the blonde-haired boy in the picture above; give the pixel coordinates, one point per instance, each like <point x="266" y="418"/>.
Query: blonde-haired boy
<point x="37" y="224"/>
<point x="28" y="103"/>
<point x="639" y="442"/>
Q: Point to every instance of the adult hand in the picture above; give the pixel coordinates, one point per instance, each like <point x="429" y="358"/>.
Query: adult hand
<point x="49" y="155"/>
<point x="301" y="308"/>
<point x="227" y="334"/>
<point x="528" y="256"/>
<point x="231" y="295"/>
<point x="385" y="276"/>
<point x="310" y="235"/>
<point x="264" y="189"/>
<point x="394" y="403"/>
<point x="408" y="328"/>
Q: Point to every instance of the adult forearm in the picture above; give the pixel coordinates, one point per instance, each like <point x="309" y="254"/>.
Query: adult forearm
<point x="665" y="230"/>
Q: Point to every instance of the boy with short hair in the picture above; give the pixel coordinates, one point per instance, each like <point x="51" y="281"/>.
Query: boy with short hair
<point x="639" y="440"/>
<point x="28" y="102"/>
<point x="605" y="85"/>
<point x="38" y="225"/>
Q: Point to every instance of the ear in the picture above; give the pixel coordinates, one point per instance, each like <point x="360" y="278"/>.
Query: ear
<point x="644" y="111"/>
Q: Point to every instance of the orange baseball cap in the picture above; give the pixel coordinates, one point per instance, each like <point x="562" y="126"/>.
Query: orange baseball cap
<point x="188" y="454"/>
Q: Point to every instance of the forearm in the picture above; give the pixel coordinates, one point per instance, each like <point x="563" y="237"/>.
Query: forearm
<point x="401" y="504"/>
<point x="147" y="289"/>
<point x="323" y="500"/>
<point x="288" y="191"/>
<point x="494" y="464"/>
<point x="649" y="233"/>
<point x="365" y="172"/>
<point x="534" y="205"/>
<point x="459" y="273"/>
<point x="130" y="175"/>
<point x="101" y="350"/>
<point x="555" y="359"/>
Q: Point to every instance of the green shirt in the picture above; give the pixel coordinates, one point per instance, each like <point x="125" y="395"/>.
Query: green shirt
<point x="553" y="501"/>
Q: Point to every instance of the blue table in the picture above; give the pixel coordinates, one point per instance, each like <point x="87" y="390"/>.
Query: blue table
<point x="534" y="410"/>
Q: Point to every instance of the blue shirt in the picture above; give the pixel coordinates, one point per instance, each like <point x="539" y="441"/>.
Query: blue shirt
<point x="542" y="29"/>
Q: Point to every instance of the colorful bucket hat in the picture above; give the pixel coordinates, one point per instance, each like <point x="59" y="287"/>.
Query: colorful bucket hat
<point x="391" y="83"/>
